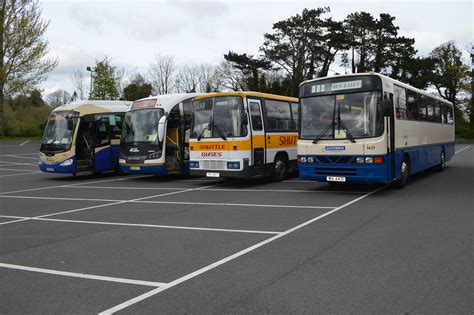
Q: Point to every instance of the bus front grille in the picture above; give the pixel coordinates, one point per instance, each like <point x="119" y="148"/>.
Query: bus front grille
<point x="334" y="159"/>
<point x="214" y="164"/>
<point x="336" y="171"/>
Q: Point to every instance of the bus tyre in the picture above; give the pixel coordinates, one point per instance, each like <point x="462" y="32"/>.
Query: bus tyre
<point x="405" y="173"/>
<point x="442" y="164"/>
<point x="280" y="168"/>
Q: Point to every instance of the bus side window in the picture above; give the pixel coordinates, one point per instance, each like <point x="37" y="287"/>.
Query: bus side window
<point x="422" y="116"/>
<point x="278" y="115"/>
<point x="412" y="109"/>
<point x="255" y="116"/>
<point x="102" y="136"/>
<point x="430" y="109"/>
<point x="400" y="102"/>
<point x="450" y="117"/>
<point x="437" y="111"/>
<point x="188" y="111"/>
<point x="295" y="115"/>
<point x="116" y="125"/>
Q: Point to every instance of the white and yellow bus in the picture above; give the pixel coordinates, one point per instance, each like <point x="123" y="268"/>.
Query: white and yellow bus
<point x="83" y="137"/>
<point x="243" y="135"/>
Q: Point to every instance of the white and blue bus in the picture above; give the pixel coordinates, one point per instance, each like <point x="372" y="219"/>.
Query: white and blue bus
<point x="155" y="137"/>
<point x="369" y="128"/>
<point x="83" y="137"/>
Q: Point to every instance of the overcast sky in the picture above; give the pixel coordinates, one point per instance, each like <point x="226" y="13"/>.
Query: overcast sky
<point x="131" y="33"/>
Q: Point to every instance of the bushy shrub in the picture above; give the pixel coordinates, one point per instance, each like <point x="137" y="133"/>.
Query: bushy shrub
<point x="25" y="121"/>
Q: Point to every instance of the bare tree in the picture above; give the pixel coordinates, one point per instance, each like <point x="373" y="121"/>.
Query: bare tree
<point x="58" y="98"/>
<point x="121" y="79"/>
<point x="210" y="78"/>
<point x="161" y="74"/>
<point x="187" y="79"/>
<point x="233" y="79"/>
<point x="80" y="83"/>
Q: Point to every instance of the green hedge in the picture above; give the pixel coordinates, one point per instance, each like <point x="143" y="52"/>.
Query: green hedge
<point x="25" y="121"/>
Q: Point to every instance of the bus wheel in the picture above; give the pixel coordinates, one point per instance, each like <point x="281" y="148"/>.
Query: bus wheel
<point x="442" y="165"/>
<point x="405" y="170"/>
<point x="280" y="170"/>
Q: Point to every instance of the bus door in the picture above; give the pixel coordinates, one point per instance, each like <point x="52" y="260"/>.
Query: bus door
<point x="186" y="109"/>
<point x="102" y="149"/>
<point x="85" y="144"/>
<point x="391" y="138"/>
<point x="258" y="134"/>
<point x="173" y="141"/>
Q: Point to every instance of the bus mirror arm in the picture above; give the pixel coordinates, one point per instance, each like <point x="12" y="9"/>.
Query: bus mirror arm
<point x="387" y="108"/>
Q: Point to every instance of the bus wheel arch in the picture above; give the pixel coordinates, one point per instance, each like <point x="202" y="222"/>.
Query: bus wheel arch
<point x="442" y="165"/>
<point x="280" y="166"/>
<point x="404" y="171"/>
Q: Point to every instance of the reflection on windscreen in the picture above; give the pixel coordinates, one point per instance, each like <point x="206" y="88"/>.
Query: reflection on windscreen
<point x="217" y="117"/>
<point x="359" y="114"/>
<point x="56" y="131"/>
<point x="141" y="125"/>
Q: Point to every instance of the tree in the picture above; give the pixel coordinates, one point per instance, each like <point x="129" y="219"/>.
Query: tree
<point x="161" y="74"/>
<point x="375" y="44"/>
<point x="137" y="89"/>
<point x="304" y="46"/>
<point x="187" y="79"/>
<point x="23" y="49"/>
<point x="58" y="98"/>
<point x="251" y="68"/>
<point x="104" y="83"/>
<point x="450" y="75"/>
<point x="416" y="71"/>
<point x="80" y="85"/>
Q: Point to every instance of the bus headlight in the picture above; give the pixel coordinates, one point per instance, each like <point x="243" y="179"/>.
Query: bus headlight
<point x="193" y="164"/>
<point x="233" y="165"/>
<point x="360" y="160"/>
<point x="303" y="159"/>
<point x="310" y="159"/>
<point x="67" y="162"/>
<point x="369" y="160"/>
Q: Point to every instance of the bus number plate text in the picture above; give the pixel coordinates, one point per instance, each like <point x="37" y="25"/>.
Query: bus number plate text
<point x="335" y="179"/>
<point x="134" y="168"/>
<point x="209" y="174"/>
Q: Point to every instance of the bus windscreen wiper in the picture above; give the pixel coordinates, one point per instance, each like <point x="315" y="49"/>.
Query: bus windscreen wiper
<point x="208" y="127"/>
<point x="331" y="125"/>
<point x="219" y="131"/>
<point x="341" y="123"/>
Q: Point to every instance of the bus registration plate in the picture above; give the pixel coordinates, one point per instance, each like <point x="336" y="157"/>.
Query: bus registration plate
<point x="134" y="168"/>
<point x="335" y="178"/>
<point x="208" y="174"/>
<point x="50" y="169"/>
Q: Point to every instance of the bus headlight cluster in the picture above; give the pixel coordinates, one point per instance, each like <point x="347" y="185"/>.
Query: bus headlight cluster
<point x="193" y="164"/>
<point x="233" y="165"/>
<point x="67" y="162"/>
<point x="306" y="159"/>
<point x="369" y="160"/>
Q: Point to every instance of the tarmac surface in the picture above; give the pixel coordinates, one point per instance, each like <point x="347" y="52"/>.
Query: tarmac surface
<point x="145" y="244"/>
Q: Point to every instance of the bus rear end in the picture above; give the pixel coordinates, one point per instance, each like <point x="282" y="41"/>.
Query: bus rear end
<point x="342" y="131"/>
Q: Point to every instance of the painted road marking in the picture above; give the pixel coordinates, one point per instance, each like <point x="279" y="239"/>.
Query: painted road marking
<point x="82" y="275"/>
<point x="460" y="150"/>
<point x="191" y="203"/>
<point x="22" y="144"/>
<point x="104" y="205"/>
<point x="231" y="257"/>
<point x="30" y="173"/>
<point x="177" y="227"/>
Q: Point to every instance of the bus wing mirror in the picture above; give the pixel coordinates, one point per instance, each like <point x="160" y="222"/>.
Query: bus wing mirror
<point x="161" y="128"/>
<point x="387" y="108"/>
<point x="70" y="124"/>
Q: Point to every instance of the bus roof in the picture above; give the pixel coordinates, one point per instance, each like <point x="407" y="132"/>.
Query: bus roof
<point x="383" y="77"/>
<point x="168" y="101"/>
<point x="95" y="107"/>
<point x="249" y="93"/>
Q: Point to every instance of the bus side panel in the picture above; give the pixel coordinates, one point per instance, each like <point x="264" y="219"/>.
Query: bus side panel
<point x="102" y="159"/>
<point x="115" y="151"/>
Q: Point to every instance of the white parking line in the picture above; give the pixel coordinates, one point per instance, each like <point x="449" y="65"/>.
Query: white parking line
<point x="22" y="144"/>
<point x="177" y="227"/>
<point x="124" y="187"/>
<point x="460" y="150"/>
<point x="13" y="169"/>
<point x="16" y="163"/>
<point x="82" y="275"/>
<point x="231" y="257"/>
<point x="30" y="173"/>
<point x="36" y="153"/>
<point x="191" y="203"/>
<point x="103" y="205"/>
<point x="23" y="157"/>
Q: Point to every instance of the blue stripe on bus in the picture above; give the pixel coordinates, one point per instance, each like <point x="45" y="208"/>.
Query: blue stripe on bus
<point x="151" y="170"/>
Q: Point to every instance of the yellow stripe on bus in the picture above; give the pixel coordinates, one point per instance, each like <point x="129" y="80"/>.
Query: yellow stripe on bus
<point x="273" y="141"/>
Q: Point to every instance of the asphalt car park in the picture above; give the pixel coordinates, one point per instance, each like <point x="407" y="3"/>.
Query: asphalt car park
<point x="145" y="244"/>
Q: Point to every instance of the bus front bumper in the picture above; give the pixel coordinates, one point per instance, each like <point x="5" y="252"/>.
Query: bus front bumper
<point x="67" y="166"/>
<point x="144" y="169"/>
<point x="245" y="172"/>
<point x="351" y="173"/>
